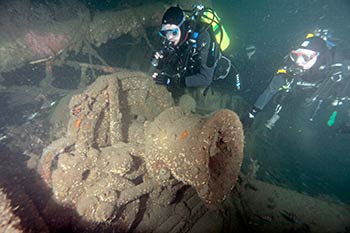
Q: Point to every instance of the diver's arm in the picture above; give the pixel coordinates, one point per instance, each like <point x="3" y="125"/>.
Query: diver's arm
<point x="206" y="73"/>
<point x="275" y="85"/>
<point x="338" y="79"/>
<point x="340" y="70"/>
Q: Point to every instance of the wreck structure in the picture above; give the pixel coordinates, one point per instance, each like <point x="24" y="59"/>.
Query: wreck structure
<point x="49" y="33"/>
<point x="126" y="140"/>
<point x="124" y="157"/>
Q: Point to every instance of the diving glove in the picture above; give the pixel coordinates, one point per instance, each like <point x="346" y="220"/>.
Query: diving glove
<point x="165" y="79"/>
<point x="249" y="117"/>
<point x="253" y="112"/>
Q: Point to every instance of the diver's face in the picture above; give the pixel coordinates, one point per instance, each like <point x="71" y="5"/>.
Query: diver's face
<point x="171" y="32"/>
<point x="304" y="58"/>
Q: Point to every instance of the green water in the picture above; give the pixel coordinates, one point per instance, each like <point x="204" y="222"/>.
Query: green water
<point x="306" y="156"/>
<point x="299" y="154"/>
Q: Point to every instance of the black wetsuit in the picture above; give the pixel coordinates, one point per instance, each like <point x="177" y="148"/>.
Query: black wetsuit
<point x="202" y="75"/>
<point x="321" y="81"/>
<point x="327" y="82"/>
<point x="194" y="60"/>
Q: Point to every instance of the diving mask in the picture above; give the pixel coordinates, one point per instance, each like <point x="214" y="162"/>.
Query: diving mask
<point x="167" y="33"/>
<point x="304" y="58"/>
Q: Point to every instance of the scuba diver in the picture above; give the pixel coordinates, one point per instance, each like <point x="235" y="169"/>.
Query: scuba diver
<point x="316" y="69"/>
<point x="192" y="49"/>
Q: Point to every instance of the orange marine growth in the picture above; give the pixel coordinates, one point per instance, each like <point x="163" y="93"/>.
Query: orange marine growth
<point x="184" y="135"/>
<point x="77" y="123"/>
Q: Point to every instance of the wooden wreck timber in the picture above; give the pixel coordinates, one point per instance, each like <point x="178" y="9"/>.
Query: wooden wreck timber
<point x="100" y="183"/>
<point x="95" y="176"/>
<point x="40" y="33"/>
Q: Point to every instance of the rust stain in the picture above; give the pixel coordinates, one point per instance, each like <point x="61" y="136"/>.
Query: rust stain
<point x="184" y="135"/>
<point x="77" y="123"/>
<point x="108" y="69"/>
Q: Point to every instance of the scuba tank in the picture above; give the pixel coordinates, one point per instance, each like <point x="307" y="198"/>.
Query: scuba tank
<point x="324" y="34"/>
<point x="208" y="16"/>
<point x="220" y="41"/>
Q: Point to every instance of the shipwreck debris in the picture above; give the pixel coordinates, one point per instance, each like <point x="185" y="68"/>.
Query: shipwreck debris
<point x="204" y="153"/>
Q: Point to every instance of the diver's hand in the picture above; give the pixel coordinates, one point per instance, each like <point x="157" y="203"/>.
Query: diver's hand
<point x="162" y="79"/>
<point x="157" y="59"/>
<point x="339" y="71"/>
<point x="249" y="117"/>
<point x="159" y="55"/>
<point x="247" y="121"/>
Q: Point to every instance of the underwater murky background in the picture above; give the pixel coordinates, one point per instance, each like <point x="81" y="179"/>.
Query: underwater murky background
<point x="299" y="154"/>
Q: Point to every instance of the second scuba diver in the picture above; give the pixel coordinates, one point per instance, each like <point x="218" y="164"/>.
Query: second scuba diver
<point x="316" y="68"/>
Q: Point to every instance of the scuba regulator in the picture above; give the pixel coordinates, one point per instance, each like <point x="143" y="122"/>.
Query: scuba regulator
<point x="167" y="50"/>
